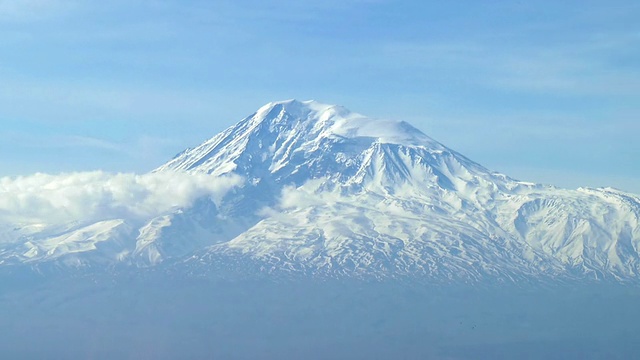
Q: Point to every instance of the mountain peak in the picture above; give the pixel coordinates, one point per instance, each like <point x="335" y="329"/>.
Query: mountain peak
<point x="293" y="131"/>
<point x="294" y="112"/>
<point x="293" y="105"/>
<point x="338" y="121"/>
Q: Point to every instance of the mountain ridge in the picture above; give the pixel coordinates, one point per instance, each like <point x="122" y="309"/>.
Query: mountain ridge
<point x="330" y="192"/>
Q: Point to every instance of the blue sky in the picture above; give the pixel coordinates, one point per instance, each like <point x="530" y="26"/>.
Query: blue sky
<point x="544" y="91"/>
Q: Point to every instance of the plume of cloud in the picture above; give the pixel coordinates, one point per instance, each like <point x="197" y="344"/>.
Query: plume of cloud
<point x="92" y="196"/>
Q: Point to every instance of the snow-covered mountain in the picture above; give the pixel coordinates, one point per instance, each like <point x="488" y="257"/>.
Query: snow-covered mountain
<point x="330" y="192"/>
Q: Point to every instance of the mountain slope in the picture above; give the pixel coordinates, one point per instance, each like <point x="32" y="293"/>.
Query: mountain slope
<point x="331" y="192"/>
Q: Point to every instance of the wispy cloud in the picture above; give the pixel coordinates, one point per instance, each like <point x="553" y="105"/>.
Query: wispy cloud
<point x="32" y="10"/>
<point x="71" y="99"/>
<point x="86" y="142"/>
<point x="589" y="67"/>
<point x="585" y="69"/>
<point x="144" y="149"/>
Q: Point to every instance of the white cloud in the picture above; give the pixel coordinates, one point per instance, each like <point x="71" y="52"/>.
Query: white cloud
<point x="292" y="198"/>
<point x="313" y="193"/>
<point x="93" y="196"/>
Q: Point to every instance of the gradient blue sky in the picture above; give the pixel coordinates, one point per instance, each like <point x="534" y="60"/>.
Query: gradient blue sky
<point x="545" y="91"/>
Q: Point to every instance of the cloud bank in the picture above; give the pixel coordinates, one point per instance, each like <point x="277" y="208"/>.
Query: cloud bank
<point x="92" y="196"/>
